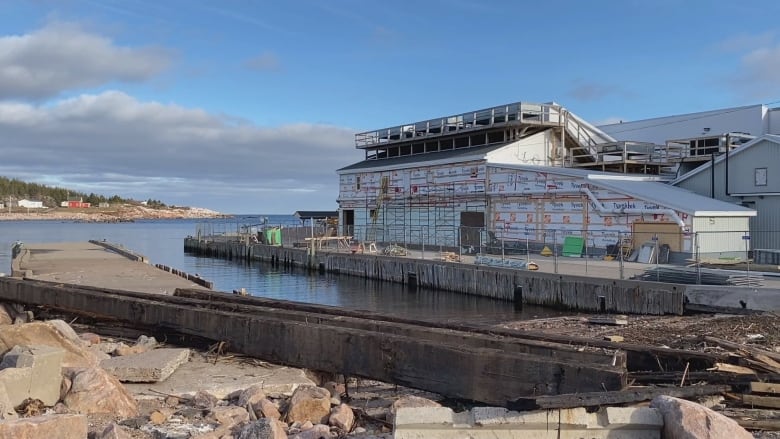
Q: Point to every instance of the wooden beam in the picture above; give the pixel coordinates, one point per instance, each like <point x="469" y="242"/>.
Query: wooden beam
<point x="759" y="424"/>
<point x="594" y="399"/>
<point x="761" y="401"/>
<point x="302" y="339"/>
<point x="758" y="387"/>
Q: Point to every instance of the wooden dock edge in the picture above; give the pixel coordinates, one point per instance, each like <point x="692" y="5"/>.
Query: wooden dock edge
<point x="531" y="287"/>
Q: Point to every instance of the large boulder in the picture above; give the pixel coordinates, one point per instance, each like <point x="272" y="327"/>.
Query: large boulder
<point x="688" y="420"/>
<point x="55" y="333"/>
<point x="48" y="426"/>
<point x="309" y="403"/>
<point x="93" y="390"/>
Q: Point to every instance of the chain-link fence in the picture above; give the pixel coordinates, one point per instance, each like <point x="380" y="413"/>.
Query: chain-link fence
<point x="654" y="252"/>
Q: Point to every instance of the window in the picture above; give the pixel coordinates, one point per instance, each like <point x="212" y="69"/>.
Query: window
<point x="357" y="182"/>
<point x="760" y="176"/>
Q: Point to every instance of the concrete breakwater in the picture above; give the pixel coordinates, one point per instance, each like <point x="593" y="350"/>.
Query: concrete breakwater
<point x="538" y="288"/>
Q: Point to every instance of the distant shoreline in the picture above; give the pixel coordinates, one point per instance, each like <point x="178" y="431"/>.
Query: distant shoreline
<point x="123" y="213"/>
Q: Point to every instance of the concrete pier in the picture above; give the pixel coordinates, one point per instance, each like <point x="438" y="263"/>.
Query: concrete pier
<point x="95" y="264"/>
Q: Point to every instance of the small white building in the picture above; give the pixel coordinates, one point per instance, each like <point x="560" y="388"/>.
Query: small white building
<point x="30" y="204"/>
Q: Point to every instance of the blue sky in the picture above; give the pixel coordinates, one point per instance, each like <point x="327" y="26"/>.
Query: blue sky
<point x="249" y="106"/>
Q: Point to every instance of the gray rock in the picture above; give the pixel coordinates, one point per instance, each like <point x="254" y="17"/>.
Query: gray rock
<point x="688" y="420"/>
<point x="203" y="400"/>
<point x="263" y="429"/>
<point x="147" y="367"/>
<point x="44" y="365"/>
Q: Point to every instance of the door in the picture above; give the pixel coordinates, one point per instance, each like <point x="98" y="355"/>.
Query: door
<point x="471" y="224"/>
<point x="348" y="221"/>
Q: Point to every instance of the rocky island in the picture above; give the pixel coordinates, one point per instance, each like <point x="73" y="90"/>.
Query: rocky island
<point x="118" y="213"/>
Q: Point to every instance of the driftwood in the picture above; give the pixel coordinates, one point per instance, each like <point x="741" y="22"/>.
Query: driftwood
<point x="755" y="357"/>
<point x="753" y="419"/>
<point x="619" y="320"/>
<point x="593" y="399"/>
<point x="761" y="401"/>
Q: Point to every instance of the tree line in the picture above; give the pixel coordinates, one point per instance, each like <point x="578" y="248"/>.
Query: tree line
<point x="53" y="196"/>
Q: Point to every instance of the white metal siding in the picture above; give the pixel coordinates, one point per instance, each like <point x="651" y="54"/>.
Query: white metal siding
<point x="721" y="235"/>
<point x="659" y="130"/>
<point x="742" y="168"/>
<point x="533" y="150"/>
<point x="765" y="227"/>
<point x="773" y="120"/>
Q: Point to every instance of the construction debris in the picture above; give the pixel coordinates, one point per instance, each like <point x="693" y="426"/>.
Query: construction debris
<point x="701" y="276"/>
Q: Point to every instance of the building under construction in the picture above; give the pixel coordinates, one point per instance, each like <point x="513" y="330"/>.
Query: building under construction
<point x="526" y="172"/>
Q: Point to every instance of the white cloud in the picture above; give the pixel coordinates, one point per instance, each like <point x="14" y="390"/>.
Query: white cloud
<point x="759" y="61"/>
<point x="758" y="76"/>
<point x="64" y="56"/>
<point x="112" y="143"/>
<point x="745" y="42"/>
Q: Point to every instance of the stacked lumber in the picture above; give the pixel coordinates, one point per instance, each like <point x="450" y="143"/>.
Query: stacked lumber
<point x="690" y="275"/>
<point x="450" y="257"/>
<point x="754" y="409"/>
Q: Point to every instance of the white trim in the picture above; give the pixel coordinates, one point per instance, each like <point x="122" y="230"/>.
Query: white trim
<point x="723" y="213"/>
<point x="756" y="194"/>
<point x="413" y="165"/>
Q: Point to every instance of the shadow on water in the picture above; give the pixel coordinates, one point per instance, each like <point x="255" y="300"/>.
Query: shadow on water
<point x="295" y="284"/>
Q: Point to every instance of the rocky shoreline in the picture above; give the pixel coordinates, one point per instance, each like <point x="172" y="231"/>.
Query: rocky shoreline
<point x="123" y="213"/>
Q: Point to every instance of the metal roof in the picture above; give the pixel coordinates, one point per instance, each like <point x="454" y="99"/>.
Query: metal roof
<point x="478" y="152"/>
<point x="705" y="166"/>
<point x="674" y="197"/>
<point x="315" y="214"/>
<point x="645" y="188"/>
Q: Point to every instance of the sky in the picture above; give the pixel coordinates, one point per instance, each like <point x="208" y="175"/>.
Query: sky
<point x="250" y="106"/>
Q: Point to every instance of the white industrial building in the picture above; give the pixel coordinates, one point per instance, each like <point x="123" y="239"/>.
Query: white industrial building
<point x="30" y="204"/>
<point x="748" y="133"/>
<point x="525" y="172"/>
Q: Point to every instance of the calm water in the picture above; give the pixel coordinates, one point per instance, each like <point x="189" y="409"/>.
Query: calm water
<point x="162" y="242"/>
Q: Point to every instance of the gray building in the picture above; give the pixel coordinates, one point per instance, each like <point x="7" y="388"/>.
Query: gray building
<point x="748" y="176"/>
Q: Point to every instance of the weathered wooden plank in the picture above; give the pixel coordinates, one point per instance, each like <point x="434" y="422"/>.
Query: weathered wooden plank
<point x="491" y="376"/>
<point x="710" y="377"/>
<point x="736" y="346"/>
<point x="593" y="399"/>
<point x="761" y="401"/>
<point x="759" y="387"/>
<point x="409" y="328"/>
<point x="759" y="424"/>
